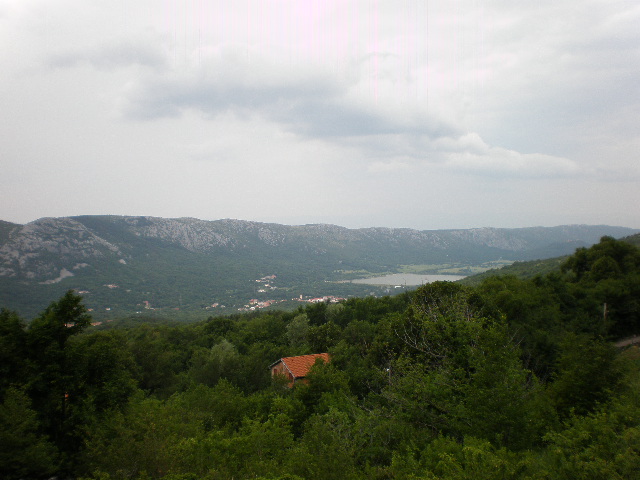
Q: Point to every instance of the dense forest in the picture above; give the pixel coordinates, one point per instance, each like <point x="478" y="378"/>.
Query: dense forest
<point x="511" y="378"/>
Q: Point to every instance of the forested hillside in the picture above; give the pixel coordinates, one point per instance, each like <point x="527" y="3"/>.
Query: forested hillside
<point x="126" y="265"/>
<point x="511" y="379"/>
<point x="531" y="268"/>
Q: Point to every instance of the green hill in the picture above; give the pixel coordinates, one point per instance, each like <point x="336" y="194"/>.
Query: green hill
<point x="523" y="270"/>
<point x="513" y="379"/>
<point x="124" y="265"/>
<point x="533" y="268"/>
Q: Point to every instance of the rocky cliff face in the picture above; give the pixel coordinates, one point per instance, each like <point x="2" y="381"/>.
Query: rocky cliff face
<point x="51" y="249"/>
<point x="44" y="248"/>
<point x="192" y="234"/>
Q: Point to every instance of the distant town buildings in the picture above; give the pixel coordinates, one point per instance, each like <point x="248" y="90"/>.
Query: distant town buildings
<point x="325" y="299"/>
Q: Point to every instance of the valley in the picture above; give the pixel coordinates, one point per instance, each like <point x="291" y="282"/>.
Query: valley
<point x="186" y="267"/>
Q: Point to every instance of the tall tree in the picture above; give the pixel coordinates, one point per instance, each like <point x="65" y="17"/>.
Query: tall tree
<point x="50" y="379"/>
<point x="24" y="451"/>
<point x="12" y="350"/>
<point x="459" y="372"/>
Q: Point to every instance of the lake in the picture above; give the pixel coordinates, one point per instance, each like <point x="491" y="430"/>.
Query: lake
<point x="409" y="279"/>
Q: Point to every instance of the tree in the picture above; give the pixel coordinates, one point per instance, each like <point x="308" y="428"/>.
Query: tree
<point x="208" y="366"/>
<point x="50" y="376"/>
<point x="470" y="459"/>
<point x="327" y="449"/>
<point x="605" y="285"/>
<point x="532" y="311"/>
<point x="588" y="372"/>
<point x="606" y="259"/>
<point x="141" y="442"/>
<point x="60" y="321"/>
<point x="103" y="371"/>
<point x="602" y="445"/>
<point x="459" y="372"/>
<point x="298" y="331"/>
<point x="24" y="451"/>
<point x="322" y="337"/>
<point x="13" y="350"/>
<point x="157" y="360"/>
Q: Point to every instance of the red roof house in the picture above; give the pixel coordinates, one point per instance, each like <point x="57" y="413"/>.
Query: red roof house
<point x="296" y="368"/>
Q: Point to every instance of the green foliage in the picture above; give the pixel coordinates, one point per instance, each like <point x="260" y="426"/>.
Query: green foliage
<point x="323" y="384"/>
<point x="596" y="293"/>
<point x="298" y="332"/>
<point x="208" y="366"/>
<point x="60" y="320"/>
<point x="328" y="449"/>
<point x="605" y="282"/>
<point x="13" y="350"/>
<point x="323" y="337"/>
<point x="606" y="259"/>
<point x="588" y="374"/>
<point x="633" y="239"/>
<point x="139" y="440"/>
<point x="514" y="379"/>
<point x="602" y="445"/>
<point x="470" y="459"/>
<point x="533" y="311"/>
<point x="522" y="270"/>
<point x="24" y="451"/>
<point x="459" y="373"/>
<point x="157" y="360"/>
<point x="51" y="377"/>
<point x="68" y="381"/>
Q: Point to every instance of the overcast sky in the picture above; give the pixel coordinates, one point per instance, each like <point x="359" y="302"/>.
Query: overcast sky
<point x="398" y="113"/>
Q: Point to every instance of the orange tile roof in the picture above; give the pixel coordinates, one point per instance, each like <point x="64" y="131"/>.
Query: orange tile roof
<point x="300" y="366"/>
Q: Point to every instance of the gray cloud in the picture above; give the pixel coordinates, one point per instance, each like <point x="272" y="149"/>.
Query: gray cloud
<point x="305" y="104"/>
<point x="319" y="108"/>
<point x="120" y="54"/>
<point x="524" y="113"/>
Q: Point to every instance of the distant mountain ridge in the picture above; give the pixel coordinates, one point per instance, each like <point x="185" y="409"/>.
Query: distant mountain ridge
<point x="28" y="250"/>
<point x="157" y="256"/>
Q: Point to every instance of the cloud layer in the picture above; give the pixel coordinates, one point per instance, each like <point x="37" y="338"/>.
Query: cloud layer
<point x="344" y="112"/>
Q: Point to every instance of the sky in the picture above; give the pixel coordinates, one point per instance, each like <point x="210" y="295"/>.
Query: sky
<point x="401" y="113"/>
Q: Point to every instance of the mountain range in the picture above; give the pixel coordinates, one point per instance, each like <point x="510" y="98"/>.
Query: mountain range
<point x="126" y="264"/>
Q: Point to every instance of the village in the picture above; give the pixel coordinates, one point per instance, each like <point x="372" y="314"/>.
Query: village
<point x="266" y="285"/>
